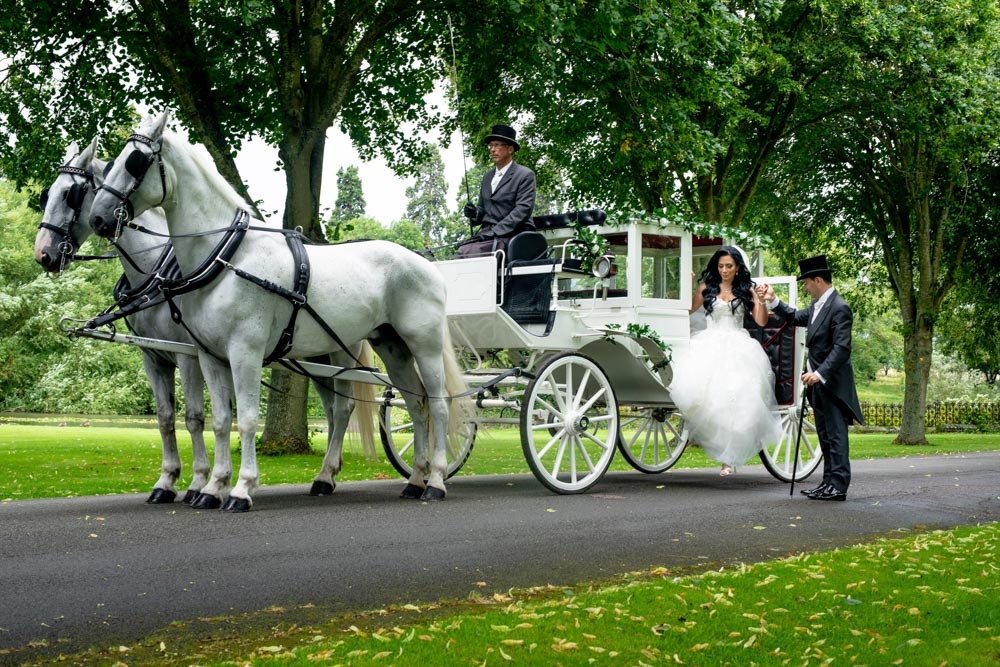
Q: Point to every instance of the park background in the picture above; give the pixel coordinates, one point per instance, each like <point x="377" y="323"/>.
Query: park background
<point x="865" y="131"/>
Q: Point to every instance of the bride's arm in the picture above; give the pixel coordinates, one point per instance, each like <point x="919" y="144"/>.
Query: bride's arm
<point x="697" y="299"/>
<point x="759" y="309"/>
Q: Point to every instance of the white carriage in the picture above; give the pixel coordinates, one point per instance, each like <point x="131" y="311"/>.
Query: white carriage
<point x="578" y="356"/>
<point x="578" y="353"/>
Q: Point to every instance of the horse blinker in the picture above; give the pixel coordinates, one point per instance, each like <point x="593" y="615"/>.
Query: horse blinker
<point x="137" y="164"/>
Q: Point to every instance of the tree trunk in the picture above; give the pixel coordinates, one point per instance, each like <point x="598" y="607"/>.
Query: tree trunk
<point x="286" y="430"/>
<point x="918" y="346"/>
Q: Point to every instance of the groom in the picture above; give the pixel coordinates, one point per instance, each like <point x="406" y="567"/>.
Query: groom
<point x="829" y="377"/>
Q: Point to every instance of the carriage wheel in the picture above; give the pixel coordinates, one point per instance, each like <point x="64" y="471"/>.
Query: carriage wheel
<point x="651" y="439"/>
<point x="569" y="424"/>
<point x="779" y="458"/>
<point x="397" y="441"/>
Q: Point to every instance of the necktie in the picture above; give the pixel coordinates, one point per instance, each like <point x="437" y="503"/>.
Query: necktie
<point x="496" y="180"/>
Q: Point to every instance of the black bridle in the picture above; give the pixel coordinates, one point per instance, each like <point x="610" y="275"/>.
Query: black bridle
<point x="137" y="165"/>
<point x="73" y="197"/>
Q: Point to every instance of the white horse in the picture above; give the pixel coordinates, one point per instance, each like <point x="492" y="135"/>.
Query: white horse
<point x="65" y="226"/>
<point x="247" y="292"/>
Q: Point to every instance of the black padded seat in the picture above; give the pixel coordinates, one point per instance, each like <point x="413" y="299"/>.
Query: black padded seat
<point x="527" y="247"/>
<point x="528" y="296"/>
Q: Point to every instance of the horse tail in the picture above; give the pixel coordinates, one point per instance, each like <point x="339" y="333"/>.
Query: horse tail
<point x="460" y="412"/>
<point x="364" y="404"/>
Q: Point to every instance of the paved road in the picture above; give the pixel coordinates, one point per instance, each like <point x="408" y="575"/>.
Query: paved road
<point x="109" y="569"/>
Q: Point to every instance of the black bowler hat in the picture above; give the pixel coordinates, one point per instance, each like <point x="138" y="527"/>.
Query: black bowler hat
<point x="813" y="266"/>
<point x="503" y="133"/>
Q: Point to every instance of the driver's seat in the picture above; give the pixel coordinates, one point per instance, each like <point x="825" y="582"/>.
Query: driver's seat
<point x="527" y="246"/>
<point x="528" y="293"/>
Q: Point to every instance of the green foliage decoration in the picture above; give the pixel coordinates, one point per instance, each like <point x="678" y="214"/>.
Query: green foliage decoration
<point x="636" y="330"/>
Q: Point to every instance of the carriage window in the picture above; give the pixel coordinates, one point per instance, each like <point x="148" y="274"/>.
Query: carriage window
<point x="661" y="266"/>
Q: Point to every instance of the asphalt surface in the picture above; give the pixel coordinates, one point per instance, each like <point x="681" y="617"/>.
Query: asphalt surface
<point x="107" y="570"/>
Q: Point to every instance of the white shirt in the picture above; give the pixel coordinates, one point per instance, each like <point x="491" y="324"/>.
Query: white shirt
<point x="820" y="302"/>
<point x="497" y="176"/>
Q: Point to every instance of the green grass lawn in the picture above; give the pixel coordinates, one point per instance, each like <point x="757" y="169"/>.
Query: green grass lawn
<point x="52" y="461"/>
<point x="924" y="600"/>
<point x="883" y="389"/>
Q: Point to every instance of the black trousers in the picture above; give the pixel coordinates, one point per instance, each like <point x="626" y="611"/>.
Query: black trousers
<point x="831" y="428"/>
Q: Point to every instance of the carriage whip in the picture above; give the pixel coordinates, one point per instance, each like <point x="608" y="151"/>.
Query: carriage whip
<point x="458" y="109"/>
<point x="798" y="439"/>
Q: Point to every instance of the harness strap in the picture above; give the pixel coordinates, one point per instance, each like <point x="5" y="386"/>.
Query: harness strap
<point x="296" y="296"/>
<point x="216" y="261"/>
<point x="129" y="300"/>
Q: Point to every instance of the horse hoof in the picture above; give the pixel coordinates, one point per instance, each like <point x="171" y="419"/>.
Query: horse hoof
<point x="161" y="497"/>
<point x="412" y="492"/>
<point x="206" y="501"/>
<point x="190" y="496"/>
<point x="432" y="494"/>
<point x="236" y="505"/>
<point x="321" y="489"/>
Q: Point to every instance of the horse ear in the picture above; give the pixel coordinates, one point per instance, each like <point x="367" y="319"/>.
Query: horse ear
<point x="90" y="151"/>
<point x="159" y="125"/>
<point x="71" y="152"/>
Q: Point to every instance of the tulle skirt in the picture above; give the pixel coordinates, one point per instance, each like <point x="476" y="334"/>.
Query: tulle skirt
<point x="724" y="387"/>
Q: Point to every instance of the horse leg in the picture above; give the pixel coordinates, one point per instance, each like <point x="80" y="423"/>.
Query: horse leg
<point x="338" y="403"/>
<point x="194" y="419"/>
<point x="433" y="375"/>
<point x="399" y="366"/>
<point x="340" y="400"/>
<point x="442" y="378"/>
<point x="220" y="390"/>
<point x="246" y="384"/>
<point x="161" y="381"/>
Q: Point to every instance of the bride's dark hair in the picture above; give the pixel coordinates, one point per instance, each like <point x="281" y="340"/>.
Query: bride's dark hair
<point x="742" y="284"/>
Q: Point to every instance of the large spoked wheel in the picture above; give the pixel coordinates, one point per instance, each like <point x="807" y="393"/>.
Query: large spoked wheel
<point x="651" y="439"/>
<point x="569" y="423"/>
<point x="397" y="442"/>
<point x="779" y="459"/>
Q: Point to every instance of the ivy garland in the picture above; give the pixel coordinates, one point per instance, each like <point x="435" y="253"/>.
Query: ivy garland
<point x="642" y="331"/>
<point x="591" y="245"/>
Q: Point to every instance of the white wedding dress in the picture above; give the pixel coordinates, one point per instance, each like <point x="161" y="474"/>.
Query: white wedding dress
<point x="724" y="387"/>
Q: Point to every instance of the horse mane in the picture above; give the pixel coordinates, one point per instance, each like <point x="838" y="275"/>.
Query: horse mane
<point x="202" y="161"/>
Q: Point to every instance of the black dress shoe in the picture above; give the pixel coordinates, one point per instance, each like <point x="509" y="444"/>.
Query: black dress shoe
<point x="810" y="492"/>
<point x="830" y="493"/>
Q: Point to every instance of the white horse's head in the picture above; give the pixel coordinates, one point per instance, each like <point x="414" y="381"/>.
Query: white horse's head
<point x="126" y="191"/>
<point x="66" y="208"/>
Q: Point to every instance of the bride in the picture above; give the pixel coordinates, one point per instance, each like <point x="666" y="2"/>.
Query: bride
<point x="723" y="383"/>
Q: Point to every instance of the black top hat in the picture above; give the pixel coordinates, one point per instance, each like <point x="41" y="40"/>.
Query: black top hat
<point x="813" y="266"/>
<point x="503" y="133"/>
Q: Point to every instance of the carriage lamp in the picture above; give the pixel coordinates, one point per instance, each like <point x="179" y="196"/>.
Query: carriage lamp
<point x="604" y="267"/>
